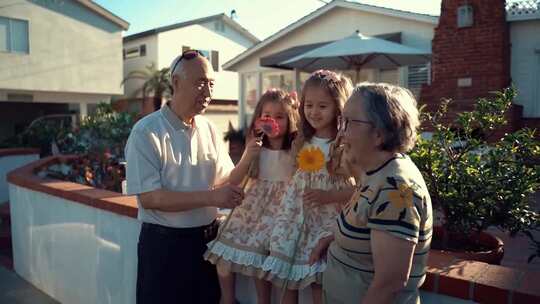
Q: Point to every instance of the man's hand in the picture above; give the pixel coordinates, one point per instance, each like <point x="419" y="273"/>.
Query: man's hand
<point x="227" y="196"/>
<point x="319" y="252"/>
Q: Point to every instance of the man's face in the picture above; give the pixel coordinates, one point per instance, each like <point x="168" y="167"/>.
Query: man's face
<point x="195" y="89"/>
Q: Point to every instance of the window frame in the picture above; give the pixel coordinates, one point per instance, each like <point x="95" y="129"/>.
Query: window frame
<point x="9" y="39"/>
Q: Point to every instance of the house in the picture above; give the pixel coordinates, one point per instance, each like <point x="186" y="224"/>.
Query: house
<point x="218" y="37"/>
<point x="481" y="46"/>
<point x="56" y="57"/>
<point x="336" y="20"/>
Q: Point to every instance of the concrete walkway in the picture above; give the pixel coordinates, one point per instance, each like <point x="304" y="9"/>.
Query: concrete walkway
<point x="15" y="290"/>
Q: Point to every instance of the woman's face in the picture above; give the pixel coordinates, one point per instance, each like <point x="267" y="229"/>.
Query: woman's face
<point x="358" y="134"/>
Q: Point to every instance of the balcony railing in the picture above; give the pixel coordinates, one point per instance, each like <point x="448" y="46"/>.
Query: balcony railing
<point x="522" y="10"/>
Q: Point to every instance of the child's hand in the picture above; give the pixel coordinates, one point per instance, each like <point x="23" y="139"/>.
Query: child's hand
<point x="319" y="252"/>
<point x="253" y="148"/>
<point x="316" y="197"/>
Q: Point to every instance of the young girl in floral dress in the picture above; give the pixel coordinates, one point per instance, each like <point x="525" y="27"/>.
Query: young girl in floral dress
<point x="314" y="196"/>
<point x="242" y="245"/>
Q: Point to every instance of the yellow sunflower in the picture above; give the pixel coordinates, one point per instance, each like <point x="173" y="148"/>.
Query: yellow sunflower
<point x="310" y="159"/>
<point x="402" y="197"/>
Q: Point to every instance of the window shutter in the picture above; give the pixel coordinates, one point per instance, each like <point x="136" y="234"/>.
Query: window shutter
<point x="215" y="60"/>
<point x="417" y="76"/>
<point x="142" y="50"/>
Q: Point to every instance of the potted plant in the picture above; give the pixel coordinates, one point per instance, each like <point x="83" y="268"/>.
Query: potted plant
<point x="236" y="139"/>
<point x="476" y="182"/>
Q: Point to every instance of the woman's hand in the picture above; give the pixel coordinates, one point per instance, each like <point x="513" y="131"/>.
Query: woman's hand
<point x="319" y="252"/>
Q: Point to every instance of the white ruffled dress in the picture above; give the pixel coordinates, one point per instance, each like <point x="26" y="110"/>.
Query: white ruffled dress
<point x="244" y="243"/>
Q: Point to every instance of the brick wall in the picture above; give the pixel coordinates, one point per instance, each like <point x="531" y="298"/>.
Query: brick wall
<point x="477" y="56"/>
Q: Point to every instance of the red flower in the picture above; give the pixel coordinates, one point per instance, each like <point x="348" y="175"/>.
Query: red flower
<point x="268" y="126"/>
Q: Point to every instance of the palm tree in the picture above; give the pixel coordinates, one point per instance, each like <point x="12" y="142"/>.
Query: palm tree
<point x="156" y="83"/>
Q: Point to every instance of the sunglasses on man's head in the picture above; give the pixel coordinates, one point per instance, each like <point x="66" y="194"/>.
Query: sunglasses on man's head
<point x="187" y="55"/>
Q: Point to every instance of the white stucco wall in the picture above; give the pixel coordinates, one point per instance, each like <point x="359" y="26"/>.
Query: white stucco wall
<point x="72" y="252"/>
<point x="199" y="37"/>
<point x="229" y="33"/>
<point x="9" y="163"/>
<point x="339" y="23"/>
<point x="79" y="52"/>
<point x="525" y="64"/>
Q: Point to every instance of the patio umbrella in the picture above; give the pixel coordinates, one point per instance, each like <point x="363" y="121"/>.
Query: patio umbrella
<point x="356" y="52"/>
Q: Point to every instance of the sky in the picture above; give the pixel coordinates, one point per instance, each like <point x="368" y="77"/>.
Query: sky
<point x="260" y="17"/>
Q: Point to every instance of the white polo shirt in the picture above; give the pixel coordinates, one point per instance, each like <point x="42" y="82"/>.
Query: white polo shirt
<point x="162" y="152"/>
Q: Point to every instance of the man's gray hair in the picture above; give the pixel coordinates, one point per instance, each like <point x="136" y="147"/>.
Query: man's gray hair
<point x="392" y="110"/>
<point x="177" y="67"/>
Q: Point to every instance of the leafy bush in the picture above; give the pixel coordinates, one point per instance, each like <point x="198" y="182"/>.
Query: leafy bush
<point x="476" y="183"/>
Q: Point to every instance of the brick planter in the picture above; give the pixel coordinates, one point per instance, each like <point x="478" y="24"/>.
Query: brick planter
<point x="493" y="255"/>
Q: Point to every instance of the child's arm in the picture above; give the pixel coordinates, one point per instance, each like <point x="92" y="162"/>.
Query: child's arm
<point x="253" y="147"/>
<point x="316" y="197"/>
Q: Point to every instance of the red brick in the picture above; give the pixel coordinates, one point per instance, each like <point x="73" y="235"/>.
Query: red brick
<point x="495" y="284"/>
<point x="457" y="280"/>
<point x="528" y="290"/>
<point x="439" y="261"/>
<point x="18" y="151"/>
<point x="431" y="282"/>
<point x="97" y="198"/>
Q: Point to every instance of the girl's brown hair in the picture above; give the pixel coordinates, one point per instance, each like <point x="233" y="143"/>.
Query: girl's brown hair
<point x="339" y="87"/>
<point x="290" y="105"/>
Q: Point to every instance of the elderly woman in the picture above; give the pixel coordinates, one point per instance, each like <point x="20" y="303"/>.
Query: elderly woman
<point x="378" y="253"/>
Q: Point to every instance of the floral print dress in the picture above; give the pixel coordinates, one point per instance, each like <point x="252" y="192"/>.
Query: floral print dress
<point x="297" y="227"/>
<point x="244" y="242"/>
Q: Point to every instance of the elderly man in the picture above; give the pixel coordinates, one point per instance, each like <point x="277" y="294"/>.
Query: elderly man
<point x="178" y="168"/>
<point x="379" y="251"/>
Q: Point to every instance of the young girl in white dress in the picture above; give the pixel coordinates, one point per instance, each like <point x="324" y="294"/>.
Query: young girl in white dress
<point x="243" y="244"/>
<point x="315" y="194"/>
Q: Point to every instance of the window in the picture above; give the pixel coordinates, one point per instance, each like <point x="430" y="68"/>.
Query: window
<point x="280" y="80"/>
<point x="14" y="35"/>
<point x="136" y="51"/>
<point x="465" y="16"/>
<point x="132" y="52"/>
<point x="417" y="76"/>
<point x="250" y="92"/>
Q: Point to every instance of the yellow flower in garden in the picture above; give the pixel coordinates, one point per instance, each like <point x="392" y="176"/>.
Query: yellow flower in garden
<point x="402" y="197"/>
<point x="310" y="159"/>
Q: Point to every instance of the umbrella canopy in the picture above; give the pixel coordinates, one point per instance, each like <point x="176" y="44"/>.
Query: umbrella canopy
<point x="356" y="52"/>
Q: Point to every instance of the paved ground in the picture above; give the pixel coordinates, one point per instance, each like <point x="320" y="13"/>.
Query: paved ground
<point x="15" y="290"/>
<point x="518" y="249"/>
